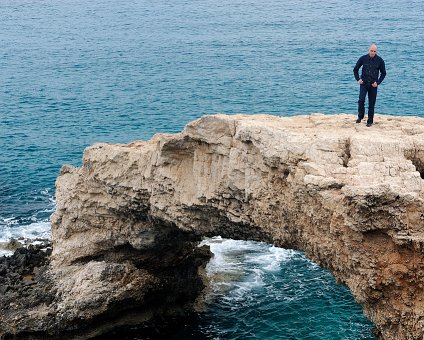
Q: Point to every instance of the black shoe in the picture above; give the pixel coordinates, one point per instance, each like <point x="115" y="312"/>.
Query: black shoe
<point x="358" y="120"/>
<point x="369" y="124"/>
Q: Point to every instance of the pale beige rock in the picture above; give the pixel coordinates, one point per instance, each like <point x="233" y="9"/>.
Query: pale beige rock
<point x="350" y="196"/>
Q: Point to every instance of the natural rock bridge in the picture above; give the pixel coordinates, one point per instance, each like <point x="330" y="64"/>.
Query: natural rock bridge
<point x="349" y="196"/>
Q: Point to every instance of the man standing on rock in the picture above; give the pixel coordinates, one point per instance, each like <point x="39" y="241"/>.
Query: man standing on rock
<point x="372" y="66"/>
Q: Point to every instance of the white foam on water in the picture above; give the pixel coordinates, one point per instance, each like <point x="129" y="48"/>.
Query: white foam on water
<point x="40" y="229"/>
<point x="5" y="252"/>
<point x="271" y="258"/>
<point x="228" y="254"/>
<point x="10" y="220"/>
<point x="240" y="266"/>
<point x="225" y="267"/>
<point x="37" y="225"/>
<point x="32" y="231"/>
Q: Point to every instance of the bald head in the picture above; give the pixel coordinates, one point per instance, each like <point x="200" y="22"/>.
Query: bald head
<point x="372" y="50"/>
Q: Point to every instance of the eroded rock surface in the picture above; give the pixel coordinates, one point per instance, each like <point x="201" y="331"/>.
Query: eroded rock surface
<point x="91" y="295"/>
<point x="350" y="196"/>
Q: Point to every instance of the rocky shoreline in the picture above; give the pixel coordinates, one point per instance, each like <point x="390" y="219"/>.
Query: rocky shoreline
<point x="23" y="275"/>
<point x="29" y="283"/>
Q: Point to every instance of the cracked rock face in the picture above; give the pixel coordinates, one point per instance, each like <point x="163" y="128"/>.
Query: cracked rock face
<point x="349" y="196"/>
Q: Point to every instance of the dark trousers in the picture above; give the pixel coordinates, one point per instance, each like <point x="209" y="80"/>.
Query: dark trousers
<point x="372" y="97"/>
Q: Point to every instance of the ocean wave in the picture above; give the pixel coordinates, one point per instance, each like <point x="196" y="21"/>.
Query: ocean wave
<point x="27" y="220"/>
<point x="240" y="266"/>
<point x="28" y="225"/>
<point x="33" y="231"/>
<point x="36" y="230"/>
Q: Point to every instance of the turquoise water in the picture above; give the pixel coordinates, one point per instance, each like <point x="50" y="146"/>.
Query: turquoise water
<point x="78" y="72"/>
<point x="264" y="292"/>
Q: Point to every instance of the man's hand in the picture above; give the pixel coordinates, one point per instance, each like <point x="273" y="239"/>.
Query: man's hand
<point x="360" y="81"/>
<point x="374" y="84"/>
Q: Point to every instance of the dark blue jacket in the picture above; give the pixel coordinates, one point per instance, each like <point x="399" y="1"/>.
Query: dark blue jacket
<point x="370" y="69"/>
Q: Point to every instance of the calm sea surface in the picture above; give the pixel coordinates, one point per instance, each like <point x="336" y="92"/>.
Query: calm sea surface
<point x="73" y="73"/>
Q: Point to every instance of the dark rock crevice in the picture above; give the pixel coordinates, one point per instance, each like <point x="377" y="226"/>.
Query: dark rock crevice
<point x="417" y="158"/>
<point x="346" y="153"/>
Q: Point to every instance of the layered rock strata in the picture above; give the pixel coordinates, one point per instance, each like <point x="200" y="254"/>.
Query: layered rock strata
<point x="349" y="196"/>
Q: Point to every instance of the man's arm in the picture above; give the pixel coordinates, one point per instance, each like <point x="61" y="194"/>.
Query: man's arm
<point x="356" y="69"/>
<point x="382" y="72"/>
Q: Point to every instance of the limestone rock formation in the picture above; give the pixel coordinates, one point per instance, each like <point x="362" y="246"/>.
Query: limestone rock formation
<point x="349" y="196"/>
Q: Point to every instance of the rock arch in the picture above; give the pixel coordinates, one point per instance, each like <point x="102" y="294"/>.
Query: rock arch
<point x="350" y="197"/>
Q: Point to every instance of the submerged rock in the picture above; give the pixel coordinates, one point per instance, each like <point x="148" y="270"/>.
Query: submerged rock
<point x="127" y="222"/>
<point x="11" y="245"/>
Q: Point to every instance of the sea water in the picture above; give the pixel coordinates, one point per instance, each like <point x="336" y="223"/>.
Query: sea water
<point x="74" y="73"/>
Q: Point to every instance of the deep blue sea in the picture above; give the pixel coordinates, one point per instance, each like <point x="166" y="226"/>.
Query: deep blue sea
<point x="74" y="73"/>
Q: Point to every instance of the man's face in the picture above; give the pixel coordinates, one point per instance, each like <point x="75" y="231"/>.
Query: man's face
<point x="372" y="51"/>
